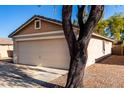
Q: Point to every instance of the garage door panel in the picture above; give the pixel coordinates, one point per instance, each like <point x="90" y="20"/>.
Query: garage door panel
<point x="48" y="53"/>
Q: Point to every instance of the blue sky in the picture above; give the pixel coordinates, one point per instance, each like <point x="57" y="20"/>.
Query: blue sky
<point x="11" y="17"/>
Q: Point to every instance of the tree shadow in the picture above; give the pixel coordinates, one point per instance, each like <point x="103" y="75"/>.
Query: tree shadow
<point x="36" y="69"/>
<point x="15" y="76"/>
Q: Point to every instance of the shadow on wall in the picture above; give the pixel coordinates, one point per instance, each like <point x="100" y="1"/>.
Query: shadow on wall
<point x="8" y="58"/>
<point x="10" y="53"/>
<point x="98" y="60"/>
<point x="14" y="76"/>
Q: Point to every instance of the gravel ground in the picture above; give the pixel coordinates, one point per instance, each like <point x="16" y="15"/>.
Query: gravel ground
<point x="109" y="73"/>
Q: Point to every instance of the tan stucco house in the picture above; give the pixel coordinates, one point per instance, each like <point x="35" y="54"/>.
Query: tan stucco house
<point x="40" y="41"/>
<point x="6" y="48"/>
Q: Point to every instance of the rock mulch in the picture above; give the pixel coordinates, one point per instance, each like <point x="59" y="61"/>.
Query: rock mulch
<point x="109" y="73"/>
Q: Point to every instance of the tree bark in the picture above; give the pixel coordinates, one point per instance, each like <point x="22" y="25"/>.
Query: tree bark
<point x="78" y="48"/>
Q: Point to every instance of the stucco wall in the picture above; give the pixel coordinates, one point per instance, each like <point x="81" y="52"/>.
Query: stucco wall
<point x="54" y="51"/>
<point x="96" y="51"/>
<point x="4" y="49"/>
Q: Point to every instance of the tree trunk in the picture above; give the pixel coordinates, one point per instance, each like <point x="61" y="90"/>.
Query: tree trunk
<point x="77" y="66"/>
<point x="78" y="48"/>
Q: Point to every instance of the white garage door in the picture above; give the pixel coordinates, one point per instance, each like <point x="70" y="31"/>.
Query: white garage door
<point x="47" y="53"/>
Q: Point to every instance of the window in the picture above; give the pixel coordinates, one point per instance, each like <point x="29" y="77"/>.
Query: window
<point x="37" y="24"/>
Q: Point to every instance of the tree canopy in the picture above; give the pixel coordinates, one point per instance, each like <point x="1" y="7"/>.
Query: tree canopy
<point x="116" y="25"/>
<point x="100" y="29"/>
<point x="112" y="27"/>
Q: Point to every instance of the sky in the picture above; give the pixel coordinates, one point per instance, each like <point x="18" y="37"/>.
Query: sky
<point x="13" y="16"/>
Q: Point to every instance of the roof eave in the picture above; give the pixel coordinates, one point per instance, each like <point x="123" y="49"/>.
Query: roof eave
<point x="102" y="37"/>
<point x="33" y="18"/>
<point x="50" y="20"/>
<point x="14" y="32"/>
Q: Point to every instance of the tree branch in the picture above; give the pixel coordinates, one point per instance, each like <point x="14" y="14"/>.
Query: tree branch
<point x="80" y="19"/>
<point x="67" y="27"/>
<point x="94" y="16"/>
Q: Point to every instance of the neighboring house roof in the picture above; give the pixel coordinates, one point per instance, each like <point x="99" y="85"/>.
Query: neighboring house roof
<point x="52" y="21"/>
<point x="6" y="41"/>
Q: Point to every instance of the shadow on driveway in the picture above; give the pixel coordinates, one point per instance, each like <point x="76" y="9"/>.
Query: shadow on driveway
<point x="13" y="76"/>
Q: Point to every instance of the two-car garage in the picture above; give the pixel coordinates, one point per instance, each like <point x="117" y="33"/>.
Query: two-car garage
<point x="48" y="53"/>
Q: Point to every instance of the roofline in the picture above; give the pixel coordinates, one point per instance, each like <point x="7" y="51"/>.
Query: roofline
<point x="100" y="36"/>
<point x="23" y="25"/>
<point x="58" y="33"/>
<point x="32" y="19"/>
<point x="52" y="21"/>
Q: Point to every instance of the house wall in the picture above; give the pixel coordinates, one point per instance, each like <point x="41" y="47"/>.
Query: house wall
<point x="15" y="51"/>
<point x="45" y="27"/>
<point x="4" y="49"/>
<point x="52" y="42"/>
<point x="96" y="51"/>
<point x="56" y="50"/>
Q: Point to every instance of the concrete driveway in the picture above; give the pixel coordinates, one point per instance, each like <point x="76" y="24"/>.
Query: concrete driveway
<point x="14" y="75"/>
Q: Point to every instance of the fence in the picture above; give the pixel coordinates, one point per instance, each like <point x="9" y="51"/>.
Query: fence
<point x="118" y="49"/>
